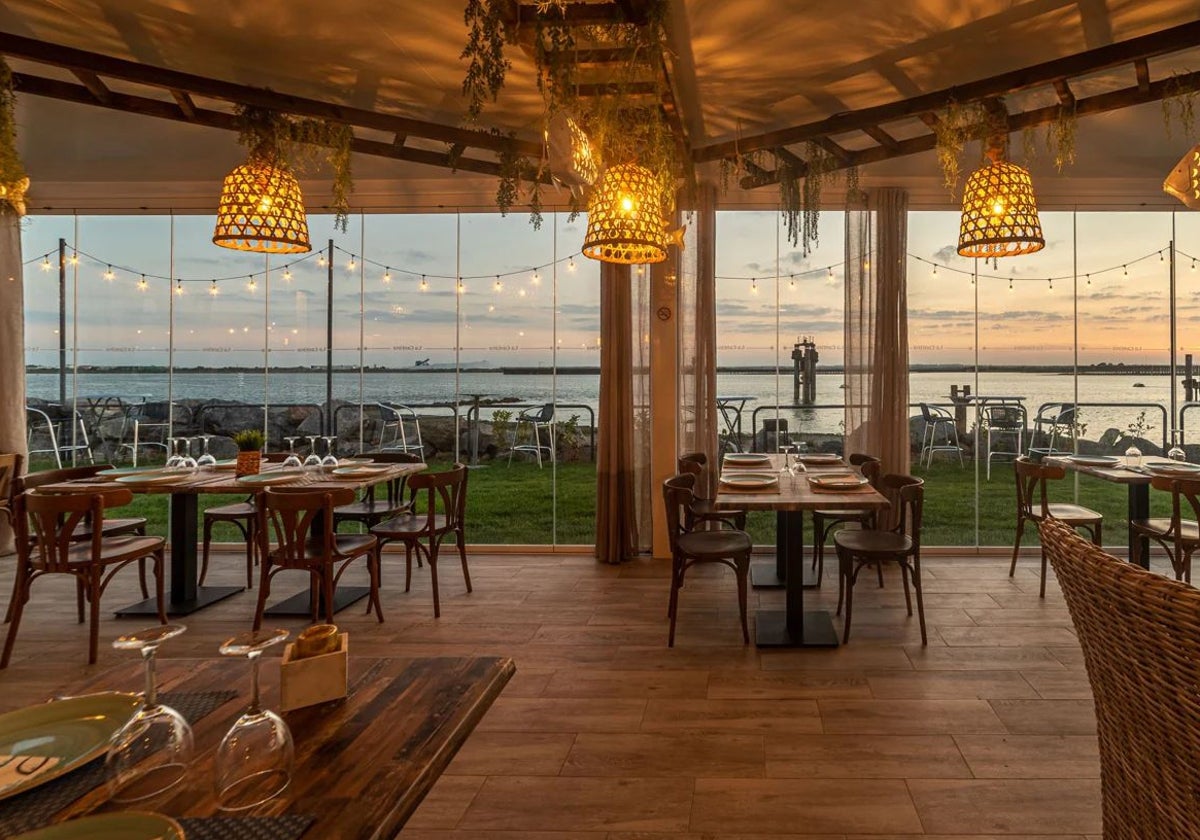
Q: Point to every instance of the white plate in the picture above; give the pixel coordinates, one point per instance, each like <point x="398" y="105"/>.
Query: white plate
<point x="820" y="458"/>
<point x="1095" y="460"/>
<point x="750" y="481"/>
<point x="270" y="479"/>
<point x="40" y="743"/>
<point x="354" y="462"/>
<point x="1177" y="468"/>
<point x="360" y="470"/>
<point x="127" y="825"/>
<point x="150" y="478"/>
<point x="747" y="458"/>
<point x="841" y="481"/>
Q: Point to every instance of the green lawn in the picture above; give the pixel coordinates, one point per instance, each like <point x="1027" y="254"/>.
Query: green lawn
<point x="516" y="505"/>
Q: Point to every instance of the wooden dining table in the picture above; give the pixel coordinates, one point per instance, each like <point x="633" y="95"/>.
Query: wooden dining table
<point x="790" y="498"/>
<point x="362" y="764"/>
<point x="186" y="593"/>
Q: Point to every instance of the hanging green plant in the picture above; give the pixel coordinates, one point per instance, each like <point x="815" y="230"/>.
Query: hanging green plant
<point x="1179" y="107"/>
<point x="1060" y="137"/>
<point x="302" y="144"/>
<point x="1029" y="145"/>
<point x="956" y="125"/>
<point x="13" y="180"/>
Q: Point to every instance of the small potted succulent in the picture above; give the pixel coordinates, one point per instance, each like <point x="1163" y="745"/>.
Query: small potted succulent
<point x="250" y="444"/>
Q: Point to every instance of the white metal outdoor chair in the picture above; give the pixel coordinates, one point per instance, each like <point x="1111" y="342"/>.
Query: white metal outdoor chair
<point x="60" y="434"/>
<point x="533" y="434"/>
<point x="400" y="429"/>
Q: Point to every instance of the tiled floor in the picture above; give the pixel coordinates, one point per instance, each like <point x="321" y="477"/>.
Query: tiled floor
<point x="606" y="734"/>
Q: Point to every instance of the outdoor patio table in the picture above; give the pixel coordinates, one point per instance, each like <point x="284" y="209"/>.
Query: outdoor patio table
<point x="1138" y="484"/>
<point x="793" y="627"/>
<point x="186" y="595"/>
<point x="363" y="764"/>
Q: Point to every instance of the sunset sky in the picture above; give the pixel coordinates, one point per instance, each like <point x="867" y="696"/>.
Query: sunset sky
<point x="1122" y="313"/>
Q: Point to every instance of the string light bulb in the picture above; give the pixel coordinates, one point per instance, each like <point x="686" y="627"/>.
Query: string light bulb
<point x="935" y="270"/>
<point x="213" y="290"/>
<point x="321" y="260"/>
<point x="792" y="282"/>
<point x="74" y="258"/>
<point x="520" y="293"/>
<point x="830" y="272"/>
<point x="108" y="274"/>
<point x="1089" y="279"/>
<point x="251" y="284"/>
<point x="45" y="263"/>
<point x="536" y="279"/>
<point x="1050" y="284"/>
<point x="497" y="287"/>
<point x="754" y="285"/>
<point x="461" y="287"/>
<point x="142" y="284"/>
<point x="1193" y="263"/>
<point x="350" y="266"/>
<point x="387" y="275"/>
<point x="424" y="284"/>
<point x="287" y="275"/>
<point x="1161" y="258"/>
<point x="1010" y="288"/>
<point x="571" y="264"/>
<point x="179" y="287"/>
<point x="1125" y="270"/>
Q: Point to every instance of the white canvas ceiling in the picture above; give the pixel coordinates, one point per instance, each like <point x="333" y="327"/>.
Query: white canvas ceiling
<point x="741" y="68"/>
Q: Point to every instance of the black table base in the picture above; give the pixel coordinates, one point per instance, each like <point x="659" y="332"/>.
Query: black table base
<point x="765" y="575"/>
<point x="771" y="630"/>
<point x="300" y="603"/>
<point x="204" y="595"/>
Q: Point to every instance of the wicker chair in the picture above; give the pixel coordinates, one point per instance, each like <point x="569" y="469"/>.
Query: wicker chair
<point x="702" y="509"/>
<point x="1140" y="634"/>
<point x="1031" y="482"/>
<point x="1179" y="537"/>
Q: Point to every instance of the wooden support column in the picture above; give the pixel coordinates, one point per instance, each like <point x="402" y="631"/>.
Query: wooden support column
<point x="12" y="348"/>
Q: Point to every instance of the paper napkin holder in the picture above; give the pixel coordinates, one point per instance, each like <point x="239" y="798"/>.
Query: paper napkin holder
<point x="313" y="679"/>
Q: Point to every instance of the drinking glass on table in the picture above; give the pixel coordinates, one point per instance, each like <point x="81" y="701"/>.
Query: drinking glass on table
<point x="313" y="461"/>
<point x="330" y="460"/>
<point x="150" y="754"/>
<point x="206" y="461"/>
<point x="1176" y="452"/>
<point x="292" y="461"/>
<point x="255" y="759"/>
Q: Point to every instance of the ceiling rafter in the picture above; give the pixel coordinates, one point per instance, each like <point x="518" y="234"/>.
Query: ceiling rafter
<point x="92" y="68"/>
<point x="1056" y="74"/>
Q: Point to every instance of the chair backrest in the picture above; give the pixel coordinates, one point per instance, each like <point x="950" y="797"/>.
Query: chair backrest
<point x="34" y="480"/>
<point x="1031" y="484"/>
<point x="46" y="523"/>
<point x="400" y="417"/>
<point x="678" y="496"/>
<point x="10" y="468"/>
<point x="395" y="487"/>
<point x="545" y="414"/>
<point x="1141" y="648"/>
<point x="868" y="465"/>
<point x="445" y="494"/>
<point x="906" y="496"/>
<point x="1182" y="490"/>
<point x="932" y="414"/>
<point x="290" y="515"/>
<point x="1003" y="416"/>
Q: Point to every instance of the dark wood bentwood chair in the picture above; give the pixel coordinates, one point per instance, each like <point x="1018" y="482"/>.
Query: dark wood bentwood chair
<point x="1179" y="537"/>
<point x="10" y="468"/>
<point x="374" y="506"/>
<point x="901" y="543"/>
<point x="702" y="510"/>
<point x="52" y="547"/>
<point x="825" y="521"/>
<point x="689" y="548"/>
<point x="1140" y="634"/>
<point x="242" y="516"/>
<point x="1032" y="506"/>
<point x="117" y="527"/>
<point x="302" y="523"/>
<point x="423" y="532"/>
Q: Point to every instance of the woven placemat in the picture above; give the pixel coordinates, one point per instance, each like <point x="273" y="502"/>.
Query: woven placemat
<point x="246" y="828"/>
<point x="36" y="808"/>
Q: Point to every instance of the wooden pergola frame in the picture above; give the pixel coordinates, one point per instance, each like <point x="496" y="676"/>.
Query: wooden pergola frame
<point x="477" y="151"/>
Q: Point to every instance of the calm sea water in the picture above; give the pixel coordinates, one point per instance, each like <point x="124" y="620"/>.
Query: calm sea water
<point x="765" y="391"/>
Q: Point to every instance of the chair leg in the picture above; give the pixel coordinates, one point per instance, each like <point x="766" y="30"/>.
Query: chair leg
<point x="1042" y="590"/>
<point x="142" y="577"/>
<point x="462" y="554"/>
<point x="373" y="566"/>
<point x="94" y="629"/>
<point x="850" y="578"/>
<point x="159" y="564"/>
<point x="79" y="596"/>
<point x="672" y="608"/>
<point x="916" y="580"/>
<point x="743" y="572"/>
<point x="251" y="542"/>
<point x="1012" y="569"/>
<point x="433" y="557"/>
<point x="204" y="548"/>
<point x="264" y="589"/>
<point x="1098" y="534"/>
<point x="879" y="570"/>
<point x="16" y="607"/>
<point x="327" y="591"/>
<point x="904" y="578"/>
<point x="841" y="580"/>
<point x="408" y="553"/>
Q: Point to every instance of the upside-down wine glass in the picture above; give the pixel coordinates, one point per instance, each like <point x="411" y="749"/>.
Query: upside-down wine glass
<point x="206" y="461"/>
<point x="254" y="761"/>
<point x="1177" y="452"/>
<point x="313" y="461"/>
<point x="330" y="460"/>
<point x="176" y="457"/>
<point x="150" y="754"/>
<point x="292" y="461"/>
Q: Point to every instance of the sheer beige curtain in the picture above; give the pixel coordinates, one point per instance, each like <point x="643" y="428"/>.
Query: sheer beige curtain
<point x="697" y="309"/>
<point x="12" y="348"/>
<point x="622" y="458"/>
<point x="876" y="338"/>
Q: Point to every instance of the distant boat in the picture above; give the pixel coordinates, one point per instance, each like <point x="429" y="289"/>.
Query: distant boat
<point x="1138" y="385"/>
<point x="421" y="363"/>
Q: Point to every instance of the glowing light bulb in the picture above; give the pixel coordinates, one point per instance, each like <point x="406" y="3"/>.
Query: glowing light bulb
<point x="491" y="307"/>
<point x="520" y="293"/>
<point x="935" y="271"/>
<point x="142" y="284"/>
<point x="1050" y="283"/>
<point x="997" y="208"/>
<point x="830" y="272"/>
<point x="1193" y="263"/>
<point x="424" y="284"/>
<point x="287" y="275"/>
<point x="536" y="279"/>
<point x="1089" y="279"/>
<point x="1161" y="258"/>
<point x="571" y="264"/>
<point x="251" y="284"/>
<point x="792" y="283"/>
<point x="497" y="287"/>
<point x="1010" y="288"/>
<point x="387" y="275"/>
<point x="179" y="287"/>
<point x="264" y="204"/>
<point x="45" y="263"/>
<point x="627" y="204"/>
<point x="213" y="290"/>
<point x="351" y="265"/>
<point x="754" y="285"/>
<point x="108" y="275"/>
<point x="1125" y="270"/>
<point x="73" y="259"/>
<point x="461" y="287"/>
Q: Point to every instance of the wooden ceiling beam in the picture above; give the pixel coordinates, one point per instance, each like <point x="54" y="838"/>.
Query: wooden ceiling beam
<point x="1165" y="41"/>
<point x="1066" y="97"/>
<point x="68" y="92"/>
<point x="881" y="137"/>
<point x="1142" y="68"/>
<point x="186" y="105"/>
<point x="1087" y="106"/>
<point x="95" y="86"/>
<point x="842" y="155"/>
<point x="54" y="55"/>
<point x="580" y="14"/>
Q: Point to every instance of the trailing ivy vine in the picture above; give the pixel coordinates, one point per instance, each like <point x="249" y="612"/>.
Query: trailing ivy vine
<point x="13" y="180"/>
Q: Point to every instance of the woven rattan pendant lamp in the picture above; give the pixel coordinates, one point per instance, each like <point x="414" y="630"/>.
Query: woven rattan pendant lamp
<point x="262" y="210"/>
<point x="625" y="217"/>
<point x="999" y="213"/>
<point x="1184" y="180"/>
